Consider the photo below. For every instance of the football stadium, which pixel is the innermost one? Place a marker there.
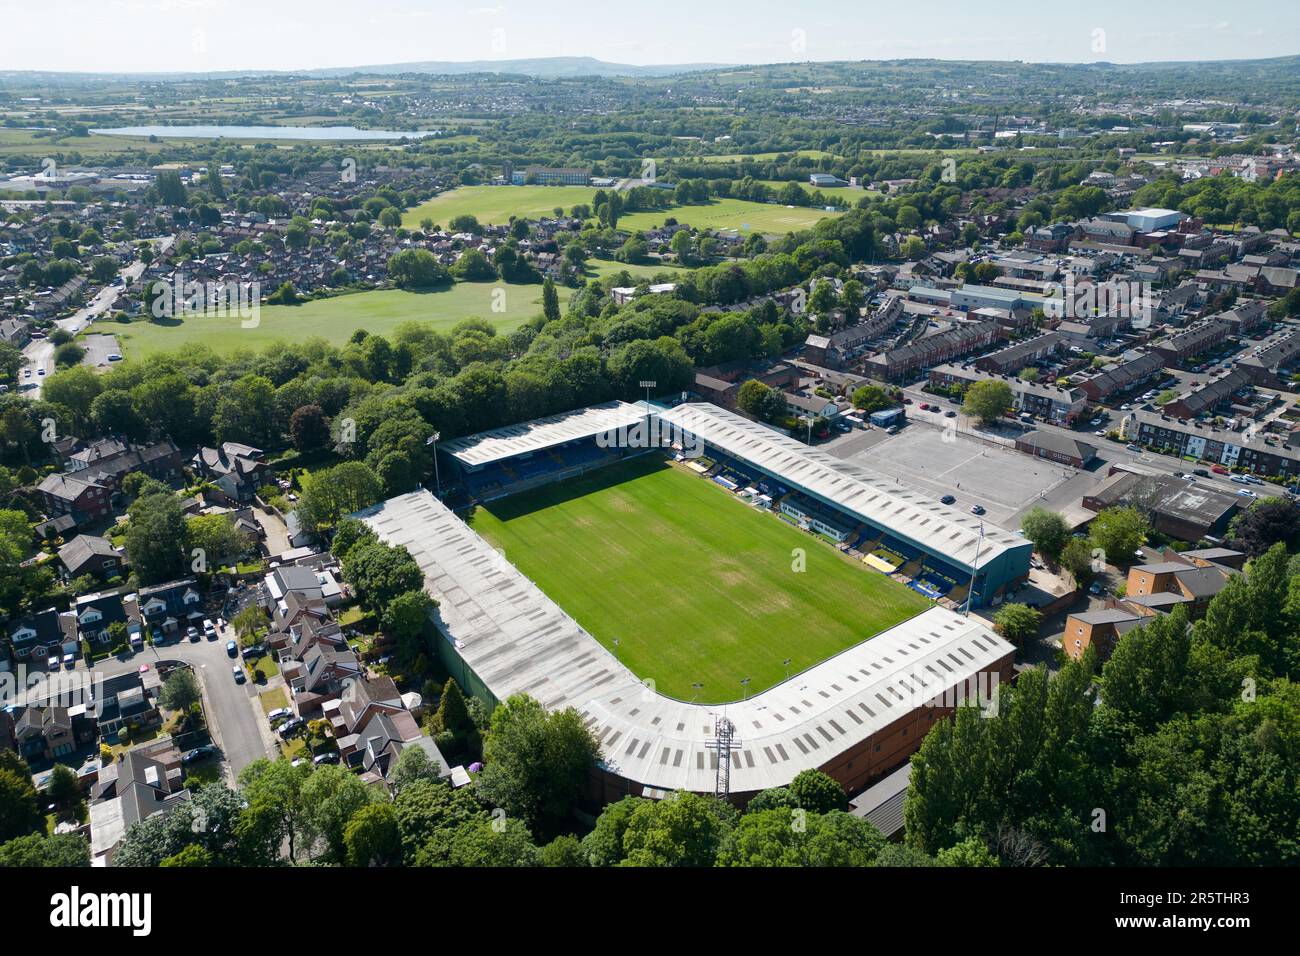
(697, 584)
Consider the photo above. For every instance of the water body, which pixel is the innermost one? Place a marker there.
(321, 133)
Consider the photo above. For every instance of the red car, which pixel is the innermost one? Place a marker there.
(1219, 470)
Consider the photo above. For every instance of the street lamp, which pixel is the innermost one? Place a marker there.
(433, 440)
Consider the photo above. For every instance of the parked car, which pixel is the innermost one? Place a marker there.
(977, 509)
(950, 414)
(1240, 479)
(280, 713)
(1247, 493)
(69, 661)
(1219, 470)
(1132, 446)
(199, 753)
(1095, 588)
(1201, 473)
(329, 756)
(53, 662)
(947, 500)
(240, 676)
(232, 648)
(290, 727)
(192, 633)
(209, 629)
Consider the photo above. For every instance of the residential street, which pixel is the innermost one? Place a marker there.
(39, 353)
(234, 714)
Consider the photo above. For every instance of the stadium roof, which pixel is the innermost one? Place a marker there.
(944, 531)
(500, 444)
(517, 640)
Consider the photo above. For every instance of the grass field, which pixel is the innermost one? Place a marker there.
(734, 215)
(695, 585)
(336, 319)
(496, 204)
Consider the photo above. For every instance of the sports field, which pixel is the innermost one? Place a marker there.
(695, 585)
(731, 215)
(496, 204)
(337, 318)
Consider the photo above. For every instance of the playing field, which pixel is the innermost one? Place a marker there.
(337, 318)
(496, 204)
(731, 215)
(695, 585)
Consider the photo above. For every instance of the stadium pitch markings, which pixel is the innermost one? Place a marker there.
(695, 585)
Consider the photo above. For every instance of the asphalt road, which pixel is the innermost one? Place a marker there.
(39, 353)
(234, 712)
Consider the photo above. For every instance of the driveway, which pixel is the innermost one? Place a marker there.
(277, 535)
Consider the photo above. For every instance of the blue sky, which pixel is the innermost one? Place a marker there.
(170, 35)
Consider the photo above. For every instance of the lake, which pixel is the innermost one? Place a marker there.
(322, 133)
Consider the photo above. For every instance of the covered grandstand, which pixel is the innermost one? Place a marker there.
(856, 716)
(507, 460)
(937, 546)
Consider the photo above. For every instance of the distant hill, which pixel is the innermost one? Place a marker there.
(546, 67)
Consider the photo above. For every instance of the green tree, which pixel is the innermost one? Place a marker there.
(871, 398)
(38, 850)
(331, 796)
(538, 763)
(686, 829)
(1048, 530)
(987, 400)
(335, 492)
(1018, 623)
(550, 301)
(1119, 532)
(156, 536)
(180, 691)
(371, 837)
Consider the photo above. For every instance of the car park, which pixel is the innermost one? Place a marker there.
(238, 671)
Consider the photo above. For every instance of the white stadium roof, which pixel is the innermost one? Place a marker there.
(944, 531)
(500, 444)
(517, 640)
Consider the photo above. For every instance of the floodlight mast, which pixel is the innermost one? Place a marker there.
(433, 440)
(724, 741)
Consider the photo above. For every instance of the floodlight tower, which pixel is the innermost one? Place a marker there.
(724, 740)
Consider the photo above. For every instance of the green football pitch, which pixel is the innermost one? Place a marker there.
(694, 585)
